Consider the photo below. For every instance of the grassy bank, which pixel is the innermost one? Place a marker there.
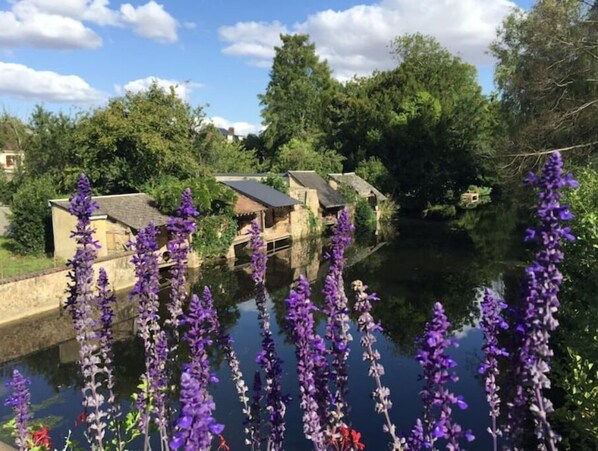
(12, 264)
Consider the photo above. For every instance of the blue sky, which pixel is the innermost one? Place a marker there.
(74, 54)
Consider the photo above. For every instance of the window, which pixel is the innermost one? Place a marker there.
(10, 161)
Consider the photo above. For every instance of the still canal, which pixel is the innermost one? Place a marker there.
(425, 262)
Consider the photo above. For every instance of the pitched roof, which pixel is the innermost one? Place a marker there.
(261, 193)
(245, 205)
(134, 210)
(362, 187)
(329, 198)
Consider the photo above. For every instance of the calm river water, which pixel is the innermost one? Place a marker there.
(427, 261)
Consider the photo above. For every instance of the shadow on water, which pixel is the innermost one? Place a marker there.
(427, 261)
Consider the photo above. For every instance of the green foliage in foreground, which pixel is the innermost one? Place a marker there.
(214, 235)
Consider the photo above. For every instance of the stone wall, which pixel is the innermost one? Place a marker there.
(37, 293)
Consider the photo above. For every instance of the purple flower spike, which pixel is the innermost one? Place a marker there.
(19, 400)
(145, 292)
(438, 372)
(336, 310)
(268, 358)
(542, 285)
(491, 323)
(196, 424)
(300, 323)
(180, 229)
(106, 299)
(80, 305)
(367, 326)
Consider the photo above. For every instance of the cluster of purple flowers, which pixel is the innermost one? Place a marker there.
(337, 312)
(438, 400)
(267, 358)
(537, 317)
(19, 400)
(196, 422)
(325, 410)
(491, 323)
(180, 228)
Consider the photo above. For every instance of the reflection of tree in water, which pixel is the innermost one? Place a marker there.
(435, 261)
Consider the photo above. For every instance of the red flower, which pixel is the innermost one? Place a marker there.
(349, 440)
(82, 418)
(41, 437)
(223, 446)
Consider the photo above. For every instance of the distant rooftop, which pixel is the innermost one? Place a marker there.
(362, 187)
(134, 210)
(329, 198)
(261, 193)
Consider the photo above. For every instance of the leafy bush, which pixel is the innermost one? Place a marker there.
(209, 196)
(214, 235)
(31, 217)
(365, 217)
(375, 173)
(277, 182)
(302, 155)
(348, 192)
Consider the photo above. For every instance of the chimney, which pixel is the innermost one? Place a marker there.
(231, 134)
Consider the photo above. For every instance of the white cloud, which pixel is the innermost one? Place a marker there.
(62, 24)
(253, 39)
(150, 21)
(241, 128)
(181, 88)
(22, 81)
(356, 41)
(25, 25)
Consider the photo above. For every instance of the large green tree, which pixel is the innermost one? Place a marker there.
(546, 75)
(136, 139)
(299, 87)
(50, 150)
(426, 121)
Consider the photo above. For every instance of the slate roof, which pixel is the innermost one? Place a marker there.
(362, 187)
(134, 210)
(329, 198)
(261, 193)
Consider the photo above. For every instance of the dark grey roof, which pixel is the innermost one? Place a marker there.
(329, 198)
(134, 210)
(362, 187)
(261, 193)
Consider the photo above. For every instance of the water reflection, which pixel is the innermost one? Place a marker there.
(427, 262)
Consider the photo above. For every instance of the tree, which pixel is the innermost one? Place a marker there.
(301, 155)
(426, 121)
(546, 75)
(299, 85)
(221, 156)
(50, 150)
(136, 139)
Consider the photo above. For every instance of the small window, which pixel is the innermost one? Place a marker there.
(10, 161)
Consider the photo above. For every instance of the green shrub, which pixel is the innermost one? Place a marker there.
(348, 192)
(31, 217)
(365, 217)
(214, 235)
(277, 182)
(209, 196)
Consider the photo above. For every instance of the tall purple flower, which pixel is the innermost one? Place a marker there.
(106, 299)
(196, 424)
(152, 400)
(336, 310)
(439, 371)
(367, 326)
(19, 400)
(180, 228)
(268, 358)
(300, 323)
(80, 305)
(542, 285)
(491, 323)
